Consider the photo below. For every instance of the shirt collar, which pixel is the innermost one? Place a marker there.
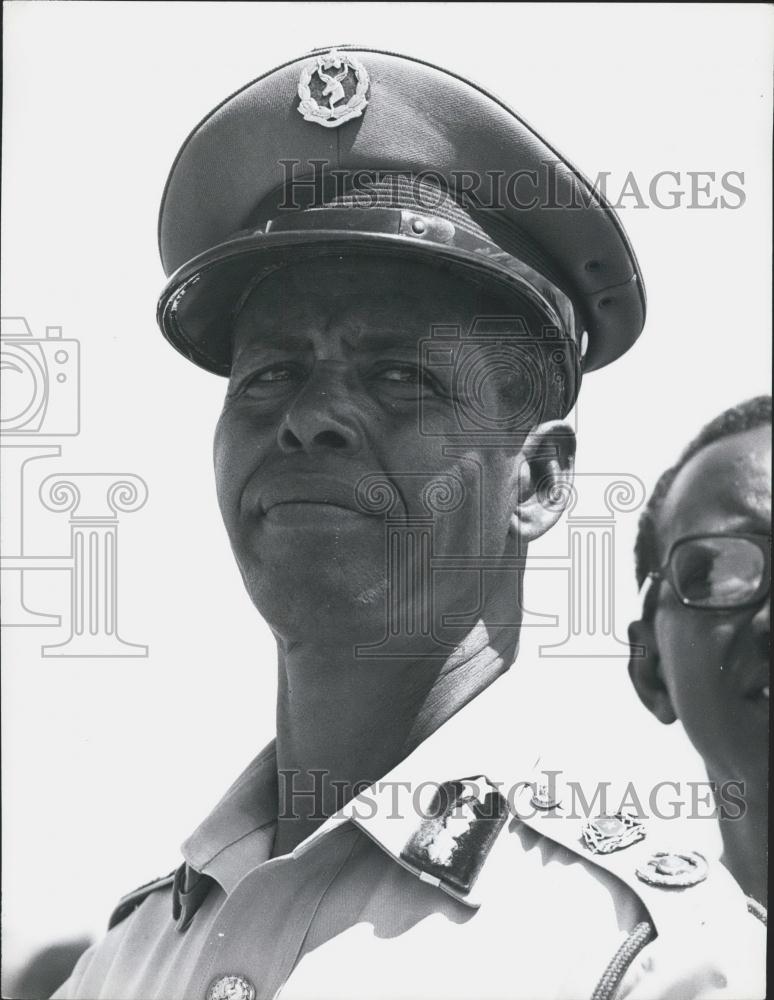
(487, 738)
(237, 835)
(481, 749)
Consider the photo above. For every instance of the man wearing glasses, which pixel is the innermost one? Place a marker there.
(703, 549)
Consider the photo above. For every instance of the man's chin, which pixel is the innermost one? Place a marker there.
(339, 625)
(305, 587)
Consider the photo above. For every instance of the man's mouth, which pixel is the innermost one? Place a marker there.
(311, 490)
(319, 506)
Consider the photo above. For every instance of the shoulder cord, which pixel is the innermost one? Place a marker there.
(642, 934)
(757, 910)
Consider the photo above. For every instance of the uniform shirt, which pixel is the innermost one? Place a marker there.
(345, 915)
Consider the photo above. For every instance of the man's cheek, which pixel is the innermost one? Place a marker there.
(232, 463)
(691, 659)
(221, 441)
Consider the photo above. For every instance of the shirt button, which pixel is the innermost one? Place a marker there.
(231, 988)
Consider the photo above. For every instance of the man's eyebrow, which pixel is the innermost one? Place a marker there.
(270, 342)
(360, 342)
(394, 340)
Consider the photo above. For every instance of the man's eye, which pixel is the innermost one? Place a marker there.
(274, 376)
(266, 382)
(405, 374)
(277, 373)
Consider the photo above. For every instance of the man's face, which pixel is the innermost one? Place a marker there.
(715, 663)
(329, 430)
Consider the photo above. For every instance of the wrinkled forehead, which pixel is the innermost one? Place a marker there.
(726, 486)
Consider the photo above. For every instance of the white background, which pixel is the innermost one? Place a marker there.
(108, 764)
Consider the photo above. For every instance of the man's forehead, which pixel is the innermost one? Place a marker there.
(727, 483)
(378, 274)
(371, 296)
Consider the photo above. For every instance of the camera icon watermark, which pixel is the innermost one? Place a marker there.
(435, 595)
(501, 376)
(41, 381)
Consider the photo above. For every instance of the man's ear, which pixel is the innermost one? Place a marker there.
(544, 474)
(645, 671)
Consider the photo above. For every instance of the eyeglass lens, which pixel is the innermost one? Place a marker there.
(716, 572)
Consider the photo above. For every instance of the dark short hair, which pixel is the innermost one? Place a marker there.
(744, 417)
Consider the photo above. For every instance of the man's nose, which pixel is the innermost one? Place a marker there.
(321, 417)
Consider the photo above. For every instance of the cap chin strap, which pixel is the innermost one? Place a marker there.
(421, 226)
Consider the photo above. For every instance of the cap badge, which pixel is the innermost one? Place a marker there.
(606, 834)
(333, 89)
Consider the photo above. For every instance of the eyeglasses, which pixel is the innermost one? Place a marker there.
(718, 572)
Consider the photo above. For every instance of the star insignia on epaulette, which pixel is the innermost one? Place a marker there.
(606, 834)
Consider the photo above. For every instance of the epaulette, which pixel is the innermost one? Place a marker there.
(129, 903)
(677, 885)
